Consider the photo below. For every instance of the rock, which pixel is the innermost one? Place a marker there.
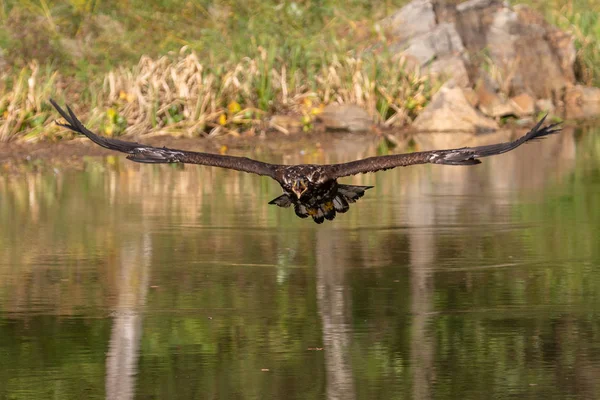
(449, 110)
(349, 117)
(490, 102)
(473, 5)
(472, 20)
(519, 55)
(498, 110)
(523, 104)
(544, 105)
(486, 94)
(415, 18)
(561, 43)
(526, 59)
(582, 102)
(441, 41)
(417, 36)
(450, 67)
(518, 41)
(471, 97)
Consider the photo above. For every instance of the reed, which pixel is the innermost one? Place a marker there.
(180, 94)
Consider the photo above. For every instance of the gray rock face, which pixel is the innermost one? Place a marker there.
(473, 20)
(442, 41)
(418, 36)
(518, 45)
(450, 67)
(528, 63)
(415, 18)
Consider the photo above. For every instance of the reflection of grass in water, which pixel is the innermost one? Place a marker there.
(80, 226)
(574, 212)
(80, 219)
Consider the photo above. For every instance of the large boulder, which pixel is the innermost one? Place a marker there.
(529, 61)
(450, 67)
(450, 110)
(518, 45)
(529, 53)
(417, 36)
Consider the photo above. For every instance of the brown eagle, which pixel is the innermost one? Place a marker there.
(313, 190)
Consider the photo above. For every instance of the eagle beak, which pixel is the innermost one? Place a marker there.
(299, 188)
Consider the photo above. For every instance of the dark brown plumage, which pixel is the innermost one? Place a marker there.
(313, 190)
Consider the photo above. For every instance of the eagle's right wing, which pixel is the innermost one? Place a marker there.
(149, 154)
(462, 156)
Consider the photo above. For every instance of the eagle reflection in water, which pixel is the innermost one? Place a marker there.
(313, 190)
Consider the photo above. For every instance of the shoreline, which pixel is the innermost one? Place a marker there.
(322, 147)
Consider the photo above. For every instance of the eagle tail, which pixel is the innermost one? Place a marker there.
(340, 203)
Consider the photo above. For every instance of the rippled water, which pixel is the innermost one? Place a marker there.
(152, 282)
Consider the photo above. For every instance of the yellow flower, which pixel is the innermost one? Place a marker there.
(123, 95)
(234, 107)
(317, 110)
(223, 119)
(111, 113)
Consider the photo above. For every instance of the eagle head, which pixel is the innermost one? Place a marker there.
(299, 186)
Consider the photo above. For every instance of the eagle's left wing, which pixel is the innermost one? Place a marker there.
(153, 155)
(462, 156)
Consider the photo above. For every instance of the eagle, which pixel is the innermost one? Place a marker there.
(313, 190)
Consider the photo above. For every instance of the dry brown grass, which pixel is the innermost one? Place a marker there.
(23, 107)
(182, 95)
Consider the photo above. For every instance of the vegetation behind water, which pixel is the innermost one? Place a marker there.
(217, 67)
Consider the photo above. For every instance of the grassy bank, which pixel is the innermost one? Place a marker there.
(209, 68)
(205, 67)
(181, 94)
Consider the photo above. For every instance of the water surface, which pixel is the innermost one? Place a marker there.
(156, 282)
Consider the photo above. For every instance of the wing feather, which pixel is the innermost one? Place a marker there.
(462, 156)
(149, 154)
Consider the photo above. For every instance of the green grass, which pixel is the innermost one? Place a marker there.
(253, 59)
(262, 55)
(91, 36)
(223, 72)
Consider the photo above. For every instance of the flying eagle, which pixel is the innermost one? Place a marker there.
(312, 189)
